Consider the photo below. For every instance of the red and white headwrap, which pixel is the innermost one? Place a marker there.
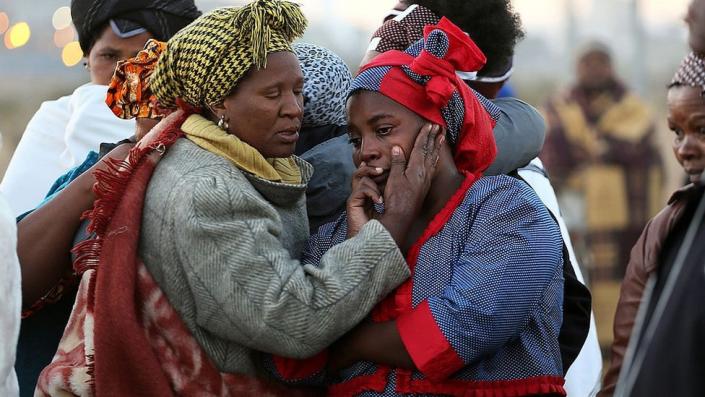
(424, 80)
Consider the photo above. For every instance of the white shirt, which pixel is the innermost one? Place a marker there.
(10, 301)
(584, 376)
(57, 138)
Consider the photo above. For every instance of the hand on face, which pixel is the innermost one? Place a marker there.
(364, 193)
(409, 182)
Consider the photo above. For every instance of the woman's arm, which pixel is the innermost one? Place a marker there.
(45, 236)
(246, 286)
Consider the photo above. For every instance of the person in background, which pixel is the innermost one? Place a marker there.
(10, 299)
(603, 162)
(37, 174)
(660, 316)
(63, 131)
(695, 19)
(497, 28)
(323, 139)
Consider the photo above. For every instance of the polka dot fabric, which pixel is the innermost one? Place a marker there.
(691, 72)
(398, 33)
(492, 277)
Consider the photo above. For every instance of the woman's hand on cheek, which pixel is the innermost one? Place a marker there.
(409, 183)
(362, 198)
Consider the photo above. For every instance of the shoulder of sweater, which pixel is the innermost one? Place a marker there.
(187, 169)
(187, 161)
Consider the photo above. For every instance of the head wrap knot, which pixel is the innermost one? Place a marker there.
(424, 80)
(205, 60)
(440, 64)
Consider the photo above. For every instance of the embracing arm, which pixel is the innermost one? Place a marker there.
(249, 290)
(519, 135)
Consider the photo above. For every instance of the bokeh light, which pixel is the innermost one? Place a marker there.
(4, 22)
(18, 35)
(72, 54)
(64, 36)
(62, 18)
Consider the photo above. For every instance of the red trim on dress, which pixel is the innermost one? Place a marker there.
(430, 350)
(293, 370)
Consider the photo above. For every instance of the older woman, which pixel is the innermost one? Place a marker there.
(193, 270)
(482, 311)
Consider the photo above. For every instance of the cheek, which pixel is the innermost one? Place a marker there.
(102, 71)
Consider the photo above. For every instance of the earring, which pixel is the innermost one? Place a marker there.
(223, 124)
(85, 65)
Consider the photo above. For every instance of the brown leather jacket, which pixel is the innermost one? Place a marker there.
(642, 263)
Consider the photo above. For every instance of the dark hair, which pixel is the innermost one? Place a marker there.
(94, 35)
(492, 24)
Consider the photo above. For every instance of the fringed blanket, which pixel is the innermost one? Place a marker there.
(124, 338)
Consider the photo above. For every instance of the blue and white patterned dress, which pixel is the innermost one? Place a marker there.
(482, 312)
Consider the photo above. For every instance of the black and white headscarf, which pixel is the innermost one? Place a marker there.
(327, 82)
(691, 72)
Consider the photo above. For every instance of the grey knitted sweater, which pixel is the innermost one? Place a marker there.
(223, 245)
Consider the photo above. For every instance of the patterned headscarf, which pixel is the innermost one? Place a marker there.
(423, 79)
(407, 27)
(205, 60)
(327, 82)
(403, 30)
(161, 18)
(129, 93)
(691, 72)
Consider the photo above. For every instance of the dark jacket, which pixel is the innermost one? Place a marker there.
(643, 262)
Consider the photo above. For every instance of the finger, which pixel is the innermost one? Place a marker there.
(364, 196)
(398, 165)
(431, 139)
(417, 155)
(372, 194)
(365, 170)
(370, 185)
(438, 141)
(432, 143)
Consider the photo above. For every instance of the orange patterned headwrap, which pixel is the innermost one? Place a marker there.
(129, 93)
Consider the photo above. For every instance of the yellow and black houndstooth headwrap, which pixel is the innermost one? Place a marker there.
(205, 60)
